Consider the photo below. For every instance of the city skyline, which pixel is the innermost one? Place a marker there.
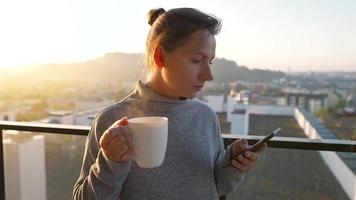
(275, 35)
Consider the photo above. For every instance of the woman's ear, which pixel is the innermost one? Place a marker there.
(158, 57)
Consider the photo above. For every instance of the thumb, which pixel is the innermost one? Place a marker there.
(240, 146)
(123, 121)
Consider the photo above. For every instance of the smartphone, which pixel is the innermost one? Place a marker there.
(263, 140)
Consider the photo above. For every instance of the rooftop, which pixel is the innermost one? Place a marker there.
(277, 176)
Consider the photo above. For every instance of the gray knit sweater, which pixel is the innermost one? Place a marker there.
(193, 164)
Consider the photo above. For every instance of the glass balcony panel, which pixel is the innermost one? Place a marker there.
(299, 174)
(46, 166)
(41, 166)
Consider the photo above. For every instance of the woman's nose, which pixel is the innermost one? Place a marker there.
(206, 74)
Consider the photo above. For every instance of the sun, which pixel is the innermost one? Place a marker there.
(33, 34)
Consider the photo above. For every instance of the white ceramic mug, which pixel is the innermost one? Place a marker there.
(149, 139)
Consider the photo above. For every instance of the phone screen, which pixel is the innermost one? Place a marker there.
(263, 140)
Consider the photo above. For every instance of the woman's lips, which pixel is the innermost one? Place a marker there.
(198, 87)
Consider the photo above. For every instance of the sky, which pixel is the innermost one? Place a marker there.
(303, 35)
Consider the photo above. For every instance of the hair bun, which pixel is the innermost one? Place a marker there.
(153, 14)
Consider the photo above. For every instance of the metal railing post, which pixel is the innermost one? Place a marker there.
(2, 170)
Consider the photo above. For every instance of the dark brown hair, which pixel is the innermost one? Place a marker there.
(171, 29)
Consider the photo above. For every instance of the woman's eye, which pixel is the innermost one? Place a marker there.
(196, 60)
(211, 61)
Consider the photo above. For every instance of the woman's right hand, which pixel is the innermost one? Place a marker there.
(116, 142)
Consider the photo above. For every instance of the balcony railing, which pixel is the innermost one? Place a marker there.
(277, 142)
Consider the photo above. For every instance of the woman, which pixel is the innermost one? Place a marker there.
(180, 49)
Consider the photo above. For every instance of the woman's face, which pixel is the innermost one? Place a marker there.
(187, 68)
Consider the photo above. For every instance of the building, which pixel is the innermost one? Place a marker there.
(229, 106)
(84, 118)
(292, 174)
(350, 107)
(341, 165)
(215, 102)
(24, 158)
(240, 121)
(297, 122)
(243, 96)
(312, 101)
(62, 117)
(10, 115)
(335, 96)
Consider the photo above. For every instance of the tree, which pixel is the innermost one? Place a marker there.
(323, 114)
(354, 90)
(37, 111)
(40, 106)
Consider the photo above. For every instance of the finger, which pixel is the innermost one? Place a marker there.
(124, 121)
(127, 135)
(118, 140)
(115, 152)
(109, 152)
(121, 122)
(124, 153)
(240, 146)
(128, 155)
(261, 148)
(120, 150)
(243, 142)
(109, 133)
(245, 161)
(253, 156)
(247, 165)
(107, 137)
(239, 166)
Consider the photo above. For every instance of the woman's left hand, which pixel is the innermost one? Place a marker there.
(242, 159)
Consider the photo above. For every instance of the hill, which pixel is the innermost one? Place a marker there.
(130, 67)
(227, 70)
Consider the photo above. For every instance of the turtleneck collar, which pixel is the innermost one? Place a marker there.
(146, 93)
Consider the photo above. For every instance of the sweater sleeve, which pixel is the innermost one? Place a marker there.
(100, 178)
(228, 178)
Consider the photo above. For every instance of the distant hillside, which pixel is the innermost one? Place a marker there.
(227, 70)
(130, 67)
(110, 67)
